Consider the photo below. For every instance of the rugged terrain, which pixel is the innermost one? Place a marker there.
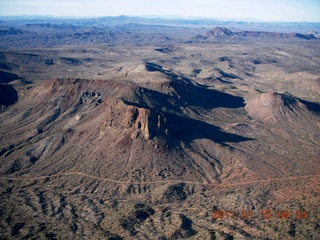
(48, 32)
(146, 142)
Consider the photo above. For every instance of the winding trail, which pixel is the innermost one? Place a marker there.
(160, 181)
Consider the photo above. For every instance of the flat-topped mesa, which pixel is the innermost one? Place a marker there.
(148, 122)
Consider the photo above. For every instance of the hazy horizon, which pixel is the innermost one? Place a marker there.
(258, 10)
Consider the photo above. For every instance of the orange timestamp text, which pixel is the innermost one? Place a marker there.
(263, 214)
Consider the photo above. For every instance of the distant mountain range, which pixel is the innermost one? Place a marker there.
(222, 34)
(124, 30)
(120, 20)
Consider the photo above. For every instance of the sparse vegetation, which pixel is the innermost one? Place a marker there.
(120, 141)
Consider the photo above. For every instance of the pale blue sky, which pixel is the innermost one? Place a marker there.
(269, 10)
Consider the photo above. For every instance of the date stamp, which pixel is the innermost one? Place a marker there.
(263, 214)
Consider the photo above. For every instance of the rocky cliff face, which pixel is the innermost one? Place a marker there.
(146, 122)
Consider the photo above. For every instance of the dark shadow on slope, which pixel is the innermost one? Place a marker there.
(6, 77)
(8, 95)
(70, 61)
(175, 128)
(183, 95)
(228, 75)
(188, 93)
(314, 107)
(200, 96)
(163, 50)
(223, 81)
(187, 129)
(48, 120)
(185, 231)
(4, 66)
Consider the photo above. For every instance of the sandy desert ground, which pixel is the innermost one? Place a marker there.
(191, 139)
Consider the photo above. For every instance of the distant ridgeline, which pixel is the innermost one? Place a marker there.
(122, 30)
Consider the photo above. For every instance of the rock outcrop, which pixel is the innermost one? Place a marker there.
(147, 122)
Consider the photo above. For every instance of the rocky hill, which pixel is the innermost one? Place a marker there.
(222, 34)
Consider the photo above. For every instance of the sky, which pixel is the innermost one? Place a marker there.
(267, 10)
